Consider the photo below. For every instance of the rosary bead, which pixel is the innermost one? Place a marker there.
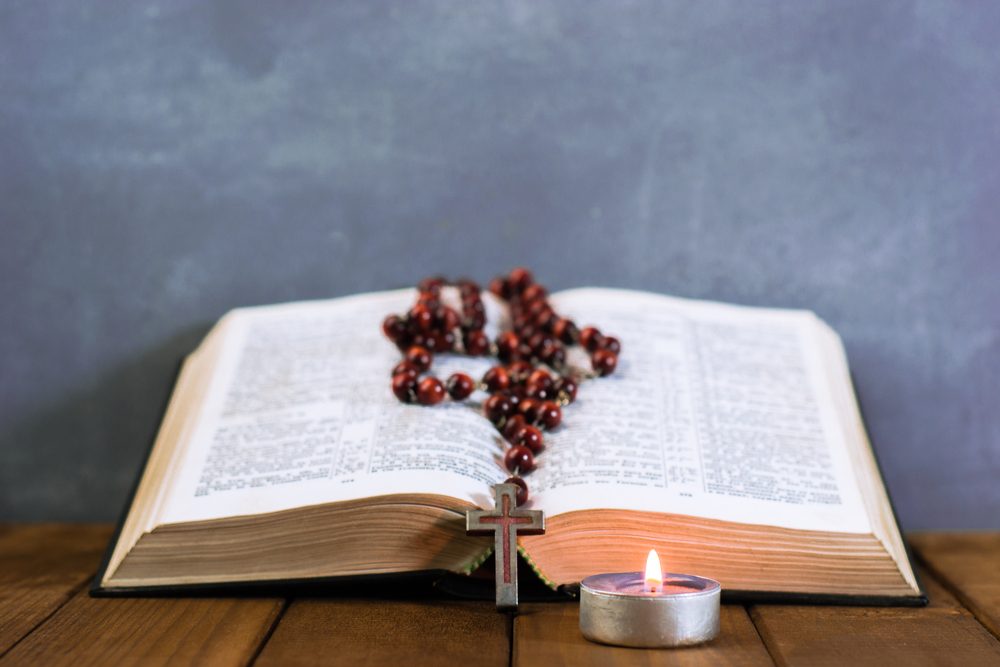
(460, 386)
(404, 386)
(566, 386)
(545, 319)
(611, 344)
(430, 391)
(590, 338)
(530, 437)
(423, 316)
(476, 342)
(520, 278)
(393, 327)
(521, 495)
(429, 299)
(539, 378)
(420, 357)
(604, 362)
(497, 408)
(507, 345)
(447, 318)
(513, 424)
(496, 379)
(405, 367)
(432, 284)
(533, 293)
(529, 408)
(554, 355)
(565, 330)
(445, 342)
(519, 371)
(520, 459)
(501, 287)
(550, 415)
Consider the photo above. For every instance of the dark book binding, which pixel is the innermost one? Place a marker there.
(431, 583)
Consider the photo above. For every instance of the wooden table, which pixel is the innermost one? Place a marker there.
(47, 618)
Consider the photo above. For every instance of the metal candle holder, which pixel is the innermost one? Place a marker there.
(618, 609)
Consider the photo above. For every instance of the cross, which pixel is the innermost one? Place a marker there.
(505, 522)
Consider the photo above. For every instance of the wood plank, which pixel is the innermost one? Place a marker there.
(149, 631)
(389, 632)
(549, 634)
(969, 565)
(943, 633)
(41, 567)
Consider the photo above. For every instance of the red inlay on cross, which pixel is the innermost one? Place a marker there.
(506, 523)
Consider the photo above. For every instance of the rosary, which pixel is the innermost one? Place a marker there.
(528, 388)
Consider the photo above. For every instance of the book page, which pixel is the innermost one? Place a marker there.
(300, 412)
(715, 411)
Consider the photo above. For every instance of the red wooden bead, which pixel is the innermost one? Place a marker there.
(405, 367)
(529, 408)
(604, 362)
(530, 437)
(445, 342)
(496, 379)
(533, 293)
(519, 371)
(521, 495)
(590, 338)
(565, 330)
(404, 386)
(460, 386)
(550, 414)
(519, 459)
(539, 378)
(423, 316)
(566, 387)
(476, 342)
(447, 318)
(420, 357)
(501, 287)
(475, 320)
(539, 393)
(554, 355)
(432, 284)
(611, 344)
(496, 408)
(507, 345)
(430, 391)
(393, 327)
(520, 278)
(513, 424)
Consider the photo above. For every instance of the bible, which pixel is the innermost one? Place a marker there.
(729, 439)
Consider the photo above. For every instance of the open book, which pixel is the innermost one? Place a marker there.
(729, 440)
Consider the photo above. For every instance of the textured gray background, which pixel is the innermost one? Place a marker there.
(161, 163)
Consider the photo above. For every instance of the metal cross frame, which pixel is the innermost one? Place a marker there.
(505, 522)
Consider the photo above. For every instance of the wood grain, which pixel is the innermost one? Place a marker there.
(148, 631)
(549, 634)
(41, 567)
(943, 633)
(389, 632)
(969, 565)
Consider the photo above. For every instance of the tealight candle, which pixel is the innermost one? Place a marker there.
(651, 609)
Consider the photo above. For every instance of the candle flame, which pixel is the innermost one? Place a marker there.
(654, 573)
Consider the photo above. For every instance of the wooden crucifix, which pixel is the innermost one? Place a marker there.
(505, 523)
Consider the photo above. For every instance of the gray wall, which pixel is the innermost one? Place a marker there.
(161, 163)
